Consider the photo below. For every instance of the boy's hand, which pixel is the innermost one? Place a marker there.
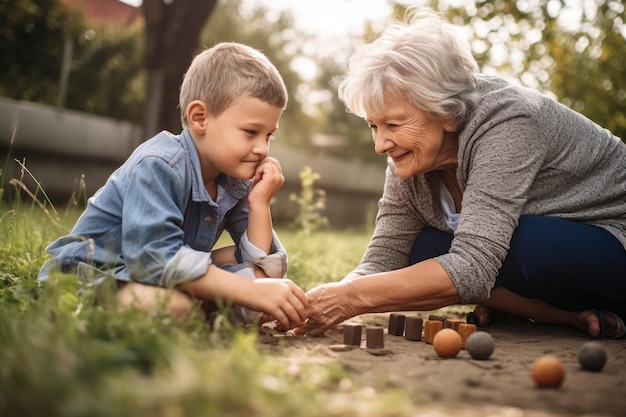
(280, 299)
(267, 181)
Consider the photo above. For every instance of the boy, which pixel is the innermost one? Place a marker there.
(153, 225)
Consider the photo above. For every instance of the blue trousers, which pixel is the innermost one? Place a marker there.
(570, 265)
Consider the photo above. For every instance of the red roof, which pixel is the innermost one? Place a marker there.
(108, 11)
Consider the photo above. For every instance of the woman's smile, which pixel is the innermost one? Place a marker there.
(399, 157)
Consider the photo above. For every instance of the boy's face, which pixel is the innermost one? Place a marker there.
(237, 140)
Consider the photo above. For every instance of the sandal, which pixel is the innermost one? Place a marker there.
(604, 332)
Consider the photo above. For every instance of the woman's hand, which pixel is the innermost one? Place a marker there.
(280, 299)
(329, 305)
(267, 181)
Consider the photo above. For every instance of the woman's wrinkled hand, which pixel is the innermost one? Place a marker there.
(329, 305)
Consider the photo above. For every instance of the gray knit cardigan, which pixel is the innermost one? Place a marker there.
(520, 152)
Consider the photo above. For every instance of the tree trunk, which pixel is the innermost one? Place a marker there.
(154, 98)
(172, 33)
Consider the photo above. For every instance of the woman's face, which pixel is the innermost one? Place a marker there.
(415, 142)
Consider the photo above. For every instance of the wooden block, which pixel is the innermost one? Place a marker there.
(453, 324)
(396, 324)
(465, 330)
(352, 334)
(442, 319)
(431, 327)
(374, 337)
(413, 327)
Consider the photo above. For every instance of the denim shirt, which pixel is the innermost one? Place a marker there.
(154, 222)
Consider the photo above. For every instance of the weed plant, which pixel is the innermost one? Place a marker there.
(311, 203)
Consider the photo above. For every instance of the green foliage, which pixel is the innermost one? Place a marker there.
(322, 256)
(66, 354)
(542, 44)
(32, 34)
(576, 58)
(574, 51)
(311, 203)
(107, 76)
(592, 79)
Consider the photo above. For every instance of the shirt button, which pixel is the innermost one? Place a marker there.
(208, 220)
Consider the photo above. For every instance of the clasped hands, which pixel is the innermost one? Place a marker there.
(328, 305)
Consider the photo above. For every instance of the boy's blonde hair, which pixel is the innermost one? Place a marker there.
(221, 74)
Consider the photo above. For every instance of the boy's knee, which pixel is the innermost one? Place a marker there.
(180, 304)
(147, 298)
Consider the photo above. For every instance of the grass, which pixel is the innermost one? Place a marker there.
(62, 354)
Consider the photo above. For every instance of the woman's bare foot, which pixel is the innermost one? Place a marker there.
(587, 321)
(596, 323)
(590, 322)
(485, 316)
(482, 316)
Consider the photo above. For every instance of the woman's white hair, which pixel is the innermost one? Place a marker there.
(423, 59)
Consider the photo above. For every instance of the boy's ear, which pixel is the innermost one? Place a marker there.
(197, 116)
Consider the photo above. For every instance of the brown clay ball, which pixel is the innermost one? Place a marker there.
(548, 372)
(447, 343)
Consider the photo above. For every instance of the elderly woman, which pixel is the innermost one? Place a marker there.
(495, 195)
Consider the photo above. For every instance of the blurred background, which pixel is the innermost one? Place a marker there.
(83, 82)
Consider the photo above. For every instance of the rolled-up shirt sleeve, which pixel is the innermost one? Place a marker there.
(188, 264)
(273, 264)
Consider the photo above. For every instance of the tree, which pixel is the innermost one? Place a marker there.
(171, 39)
(597, 66)
(105, 68)
(544, 44)
(574, 52)
(107, 76)
(107, 72)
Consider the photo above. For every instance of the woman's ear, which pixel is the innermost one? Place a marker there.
(448, 126)
(197, 116)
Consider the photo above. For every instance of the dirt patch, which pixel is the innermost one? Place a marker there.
(499, 386)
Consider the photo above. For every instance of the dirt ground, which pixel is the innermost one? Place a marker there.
(500, 386)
